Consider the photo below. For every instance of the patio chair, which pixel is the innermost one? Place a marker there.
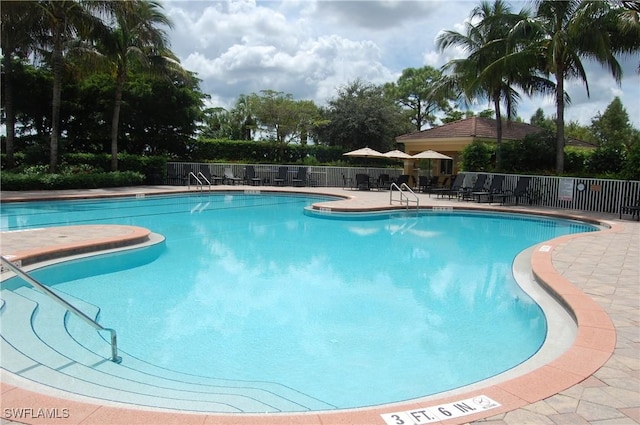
(281, 178)
(454, 190)
(521, 191)
(173, 175)
(404, 178)
(466, 193)
(632, 208)
(362, 182)
(250, 176)
(301, 178)
(383, 182)
(347, 182)
(424, 183)
(230, 177)
(494, 189)
(211, 178)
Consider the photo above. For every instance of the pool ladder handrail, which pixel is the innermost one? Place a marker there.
(404, 198)
(198, 177)
(65, 304)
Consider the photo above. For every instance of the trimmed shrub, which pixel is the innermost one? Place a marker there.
(80, 180)
(477, 157)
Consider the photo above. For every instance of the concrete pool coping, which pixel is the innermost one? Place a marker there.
(594, 344)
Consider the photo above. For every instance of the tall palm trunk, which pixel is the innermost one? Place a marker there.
(56, 100)
(10, 112)
(559, 122)
(496, 103)
(115, 123)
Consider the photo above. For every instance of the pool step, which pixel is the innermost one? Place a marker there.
(65, 353)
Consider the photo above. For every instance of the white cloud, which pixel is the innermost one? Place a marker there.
(310, 48)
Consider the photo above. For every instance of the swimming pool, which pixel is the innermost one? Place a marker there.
(352, 311)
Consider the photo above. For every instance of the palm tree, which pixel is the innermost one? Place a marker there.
(136, 41)
(17, 28)
(487, 71)
(63, 21)
(563, 33)
(627, 34)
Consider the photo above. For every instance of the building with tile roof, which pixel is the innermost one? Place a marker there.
(452, 137)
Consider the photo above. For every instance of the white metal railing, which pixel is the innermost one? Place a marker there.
(65, 304)
(203, 177)
(200, 184)
(404, 191)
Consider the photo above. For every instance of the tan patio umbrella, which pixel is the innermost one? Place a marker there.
(429, 154)
(365, 153)
(396, 154)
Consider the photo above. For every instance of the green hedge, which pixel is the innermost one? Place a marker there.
(213, 150)
(44, 181)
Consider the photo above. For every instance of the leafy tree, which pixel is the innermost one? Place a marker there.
(456, 115)
(535, 153)
(477, 156)
(416, 91)
(284, 119)
(243, 119)
(166, 127)
(613, 127)
(17, 29)
(31, 83)
(361, 115)
(540, 120)
(578, 131)
(631, 168)
(216, 124)
(607, 160)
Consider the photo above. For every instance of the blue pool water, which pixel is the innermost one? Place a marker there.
(352, 311)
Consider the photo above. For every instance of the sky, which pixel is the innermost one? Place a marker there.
(312, 48)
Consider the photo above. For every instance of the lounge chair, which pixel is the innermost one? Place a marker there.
(424, 183)
(230, 178)
(633, 209)
(281, 178)
(301, 178)
(521, 191)
(347, 182)
(383, 182)
(494, 189)
(362, 182)
(466, 193)
(211, 178)
(454, 190)
(404, 178)
(174, 177)
(250, 176)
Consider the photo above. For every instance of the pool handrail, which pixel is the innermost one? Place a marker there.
(200, 184)
(64, 303)
(403, 195)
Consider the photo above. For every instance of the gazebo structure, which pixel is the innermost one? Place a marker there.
(451, 138)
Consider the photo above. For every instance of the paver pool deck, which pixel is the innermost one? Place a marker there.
(597, 275)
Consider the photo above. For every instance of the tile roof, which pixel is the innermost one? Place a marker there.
(477, 127)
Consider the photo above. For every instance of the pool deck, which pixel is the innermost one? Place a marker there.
(597, 275)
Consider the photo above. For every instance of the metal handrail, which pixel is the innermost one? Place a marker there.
(192, 174)
(403, 195)
(64, 303)
(205, 179)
